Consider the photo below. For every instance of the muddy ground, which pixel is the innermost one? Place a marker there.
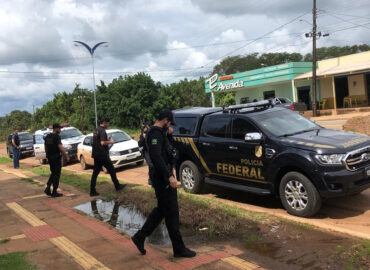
(360, 124)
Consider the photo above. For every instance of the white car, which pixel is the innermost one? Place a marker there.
(71, 137)
(124, 151)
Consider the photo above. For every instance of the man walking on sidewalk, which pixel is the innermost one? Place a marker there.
(164, 183)
(100, 153)
(16, 149)
(54, 149)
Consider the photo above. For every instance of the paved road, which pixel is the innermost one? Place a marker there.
(347, 215)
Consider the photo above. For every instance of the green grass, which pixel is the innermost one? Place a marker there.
(81, 181)
(15, 261)
(31, 181)
(5, 160)
(4, 241)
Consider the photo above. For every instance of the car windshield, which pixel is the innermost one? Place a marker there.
(70, 133)
(284, 123)
(119, 136)
(25, 137)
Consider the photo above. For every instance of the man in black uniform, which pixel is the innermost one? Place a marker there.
(144, 151)
(164, 183)
(16, 149)
(53, 149)
(100, 153)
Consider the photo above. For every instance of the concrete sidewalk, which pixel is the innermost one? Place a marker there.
(65, 239)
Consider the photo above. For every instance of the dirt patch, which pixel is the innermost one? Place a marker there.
(360, 124)
(257, 235)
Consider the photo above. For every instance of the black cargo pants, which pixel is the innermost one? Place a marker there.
(55, 164)
(99, 162)
(168, 209)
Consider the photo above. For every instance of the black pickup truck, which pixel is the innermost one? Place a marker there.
(266, 150)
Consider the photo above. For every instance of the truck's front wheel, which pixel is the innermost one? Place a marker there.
(191, 179)
(298, 195)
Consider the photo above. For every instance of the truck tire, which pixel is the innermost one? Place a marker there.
(84, 166)
(42, 161)
(8, 152)
(139, 163)
(191, 179)
(64, 162)
(298, 195)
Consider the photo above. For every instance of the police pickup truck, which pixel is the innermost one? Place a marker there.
(266, 150)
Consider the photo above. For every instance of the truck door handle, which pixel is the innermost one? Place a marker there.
(233, 147)
(206, 144)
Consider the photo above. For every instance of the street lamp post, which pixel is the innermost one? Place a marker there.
(91, 51)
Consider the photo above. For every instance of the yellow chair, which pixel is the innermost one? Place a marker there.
(348, 101)
(322, 104)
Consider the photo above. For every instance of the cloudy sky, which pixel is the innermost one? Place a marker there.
(168, 39)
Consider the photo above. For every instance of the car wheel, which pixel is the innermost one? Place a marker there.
(139, 163)
(191, 179)
(84, 166)
(298, 195)
(42, 161)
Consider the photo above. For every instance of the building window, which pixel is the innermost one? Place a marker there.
(269, 94)
(244, 100)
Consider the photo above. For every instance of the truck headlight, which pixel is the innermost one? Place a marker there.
(335, 159)
(114, 154)
(67, 146)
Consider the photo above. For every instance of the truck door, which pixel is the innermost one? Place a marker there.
(212, 146)
(86, 150)
(39, 147)
(246, 159)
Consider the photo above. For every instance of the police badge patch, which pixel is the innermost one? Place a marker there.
(258, 151)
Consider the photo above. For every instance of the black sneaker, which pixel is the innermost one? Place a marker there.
(186, 253)
(139, 244)
(120, 187)
(47, 191)
(94, 193)
(56, 194)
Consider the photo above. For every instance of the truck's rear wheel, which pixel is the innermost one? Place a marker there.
(298, 195)
(191, 179)
(42, 161)
(9, 154)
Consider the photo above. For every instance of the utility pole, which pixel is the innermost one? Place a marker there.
(314, 29)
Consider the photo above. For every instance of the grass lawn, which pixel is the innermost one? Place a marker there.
(5, 160)
(15, 261)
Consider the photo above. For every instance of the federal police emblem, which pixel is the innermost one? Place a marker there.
(258, 151)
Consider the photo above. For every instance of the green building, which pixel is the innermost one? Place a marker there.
(263, 83)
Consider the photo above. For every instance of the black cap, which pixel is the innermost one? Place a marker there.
(56, 125)
(166, 114)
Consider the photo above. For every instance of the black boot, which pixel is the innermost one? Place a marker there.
(56, 194)
(139, 244)
(120, 187)
(94, 193)
(47, 191)
(186, 253)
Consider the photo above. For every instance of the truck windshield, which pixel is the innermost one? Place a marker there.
(119, 137)
(284, 123)
(25, 137)
(70, 133)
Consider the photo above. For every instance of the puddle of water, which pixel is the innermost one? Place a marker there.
(126, 219)
(270, 250)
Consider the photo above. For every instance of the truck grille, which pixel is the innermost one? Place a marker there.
(133, 150)
(357, 158)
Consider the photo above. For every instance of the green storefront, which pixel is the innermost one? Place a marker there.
(263, 83)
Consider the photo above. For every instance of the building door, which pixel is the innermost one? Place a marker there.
(304, 96)
(269, 94)
(341, 90)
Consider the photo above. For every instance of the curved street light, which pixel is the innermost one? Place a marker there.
(91, 51)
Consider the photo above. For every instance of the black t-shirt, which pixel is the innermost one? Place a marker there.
(15, 137)
(99, 150)
(52, 140)
(157, 148)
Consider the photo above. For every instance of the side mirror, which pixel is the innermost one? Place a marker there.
(253, 137)
(84, 133)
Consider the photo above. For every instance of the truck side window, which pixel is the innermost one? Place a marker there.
(218, 126)
(185, 125)
(87, 141)
(241, 126)
(39, 139)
